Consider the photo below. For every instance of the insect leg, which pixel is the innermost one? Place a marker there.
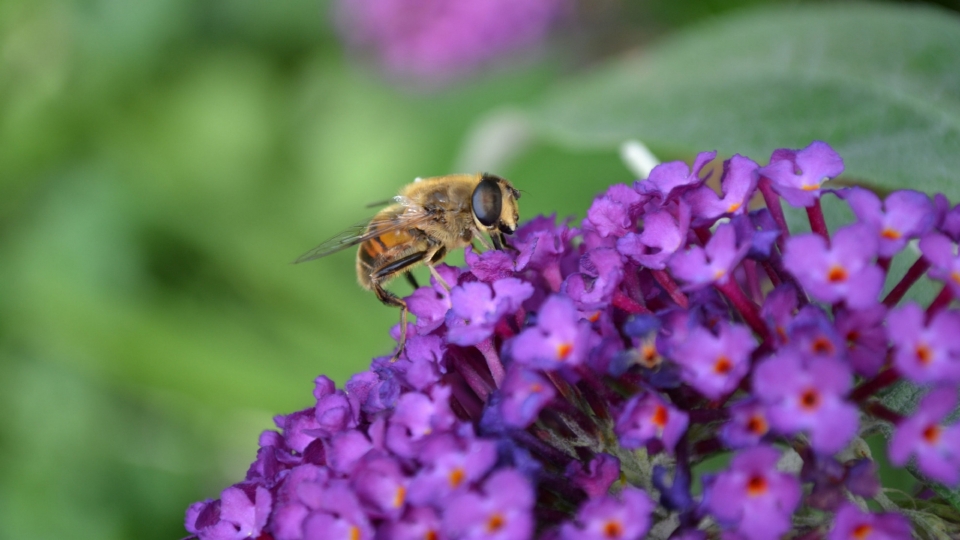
(435, 258)
(497, 240)
(412, 280)
(384, 273)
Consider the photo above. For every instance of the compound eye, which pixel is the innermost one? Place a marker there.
(487, 202)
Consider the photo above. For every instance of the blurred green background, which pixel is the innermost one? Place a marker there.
(161, 163)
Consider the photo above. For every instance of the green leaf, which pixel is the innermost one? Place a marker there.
(880, 83)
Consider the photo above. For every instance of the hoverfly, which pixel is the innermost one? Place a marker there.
(429, 218)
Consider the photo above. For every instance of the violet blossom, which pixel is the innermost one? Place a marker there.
(570, 386)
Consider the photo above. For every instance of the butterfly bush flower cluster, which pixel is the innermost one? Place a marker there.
(441, 40)
(572, 386)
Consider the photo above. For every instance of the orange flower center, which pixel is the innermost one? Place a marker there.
(723, 365)
(931, 434)
(810, 187)
(733, 207)
(456, 476)
(660, 416)
(756, 486)
(613, 529)
(861, 532)
(495, 523)
(354, 533)
(810, 399)
(431, 535)
(837, 274)
(563, 350)
(924, 354)
(399, 497)
(890, 234)
(757, 425)
(822, 345)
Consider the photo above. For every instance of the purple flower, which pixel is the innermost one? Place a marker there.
(241, 512)
(808, 396)
(501, 510)
(647, 418)
(525, 394)
(592, 288)
(842, 271)
(945, 264)
(501, 414)
(936, 447)
(751, 497)
(614, 213)
(607, 518)
(700, 267)
(715, 364)
(747, 426)
(477, 309)
(674, 178)
(443, 39)
(597, 477)
(904, 215)
(865, 337)
(797, 175)
(925, 352)
(663, 234)
(853, 524)
(738, 183)
(559, 338)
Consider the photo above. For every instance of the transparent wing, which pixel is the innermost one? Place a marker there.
(382, 223)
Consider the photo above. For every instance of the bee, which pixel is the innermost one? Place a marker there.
(427, 219)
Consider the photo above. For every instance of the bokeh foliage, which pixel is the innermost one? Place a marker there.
(161, 163)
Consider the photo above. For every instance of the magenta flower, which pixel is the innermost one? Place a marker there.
(571, 385)
(853, 524)
(501, 510)
(936, 447)
(712, 363)
(559, 339)
(699, 267)
(751, 497)
(607, 518)
(647, 418)
(798, 175)
(925, 352)
(738, 183)
(443, 39)
(903, 216)
(841, 272)
(808, 396)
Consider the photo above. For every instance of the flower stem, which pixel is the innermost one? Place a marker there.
(493, 360)
(669, 285)
(817, 223)
(913, 274)
(748, 310)
(772, 200)
(872, 386)
(941, 301)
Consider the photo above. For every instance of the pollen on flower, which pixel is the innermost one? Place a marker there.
(932, 434)
(649, 355)
(564, 350)
(399, 496)
(613, 529)
(734, 207)
(924, 354)
(837, 274)
(955, 277)
(496, 522)
(862, 531)
(891, 234)
(456, 476)
(823, 346)
(354, 532)
(756, 486)
(723, 365)
(810, 399)
(810, 187)
(660, 416)
(757, 425)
